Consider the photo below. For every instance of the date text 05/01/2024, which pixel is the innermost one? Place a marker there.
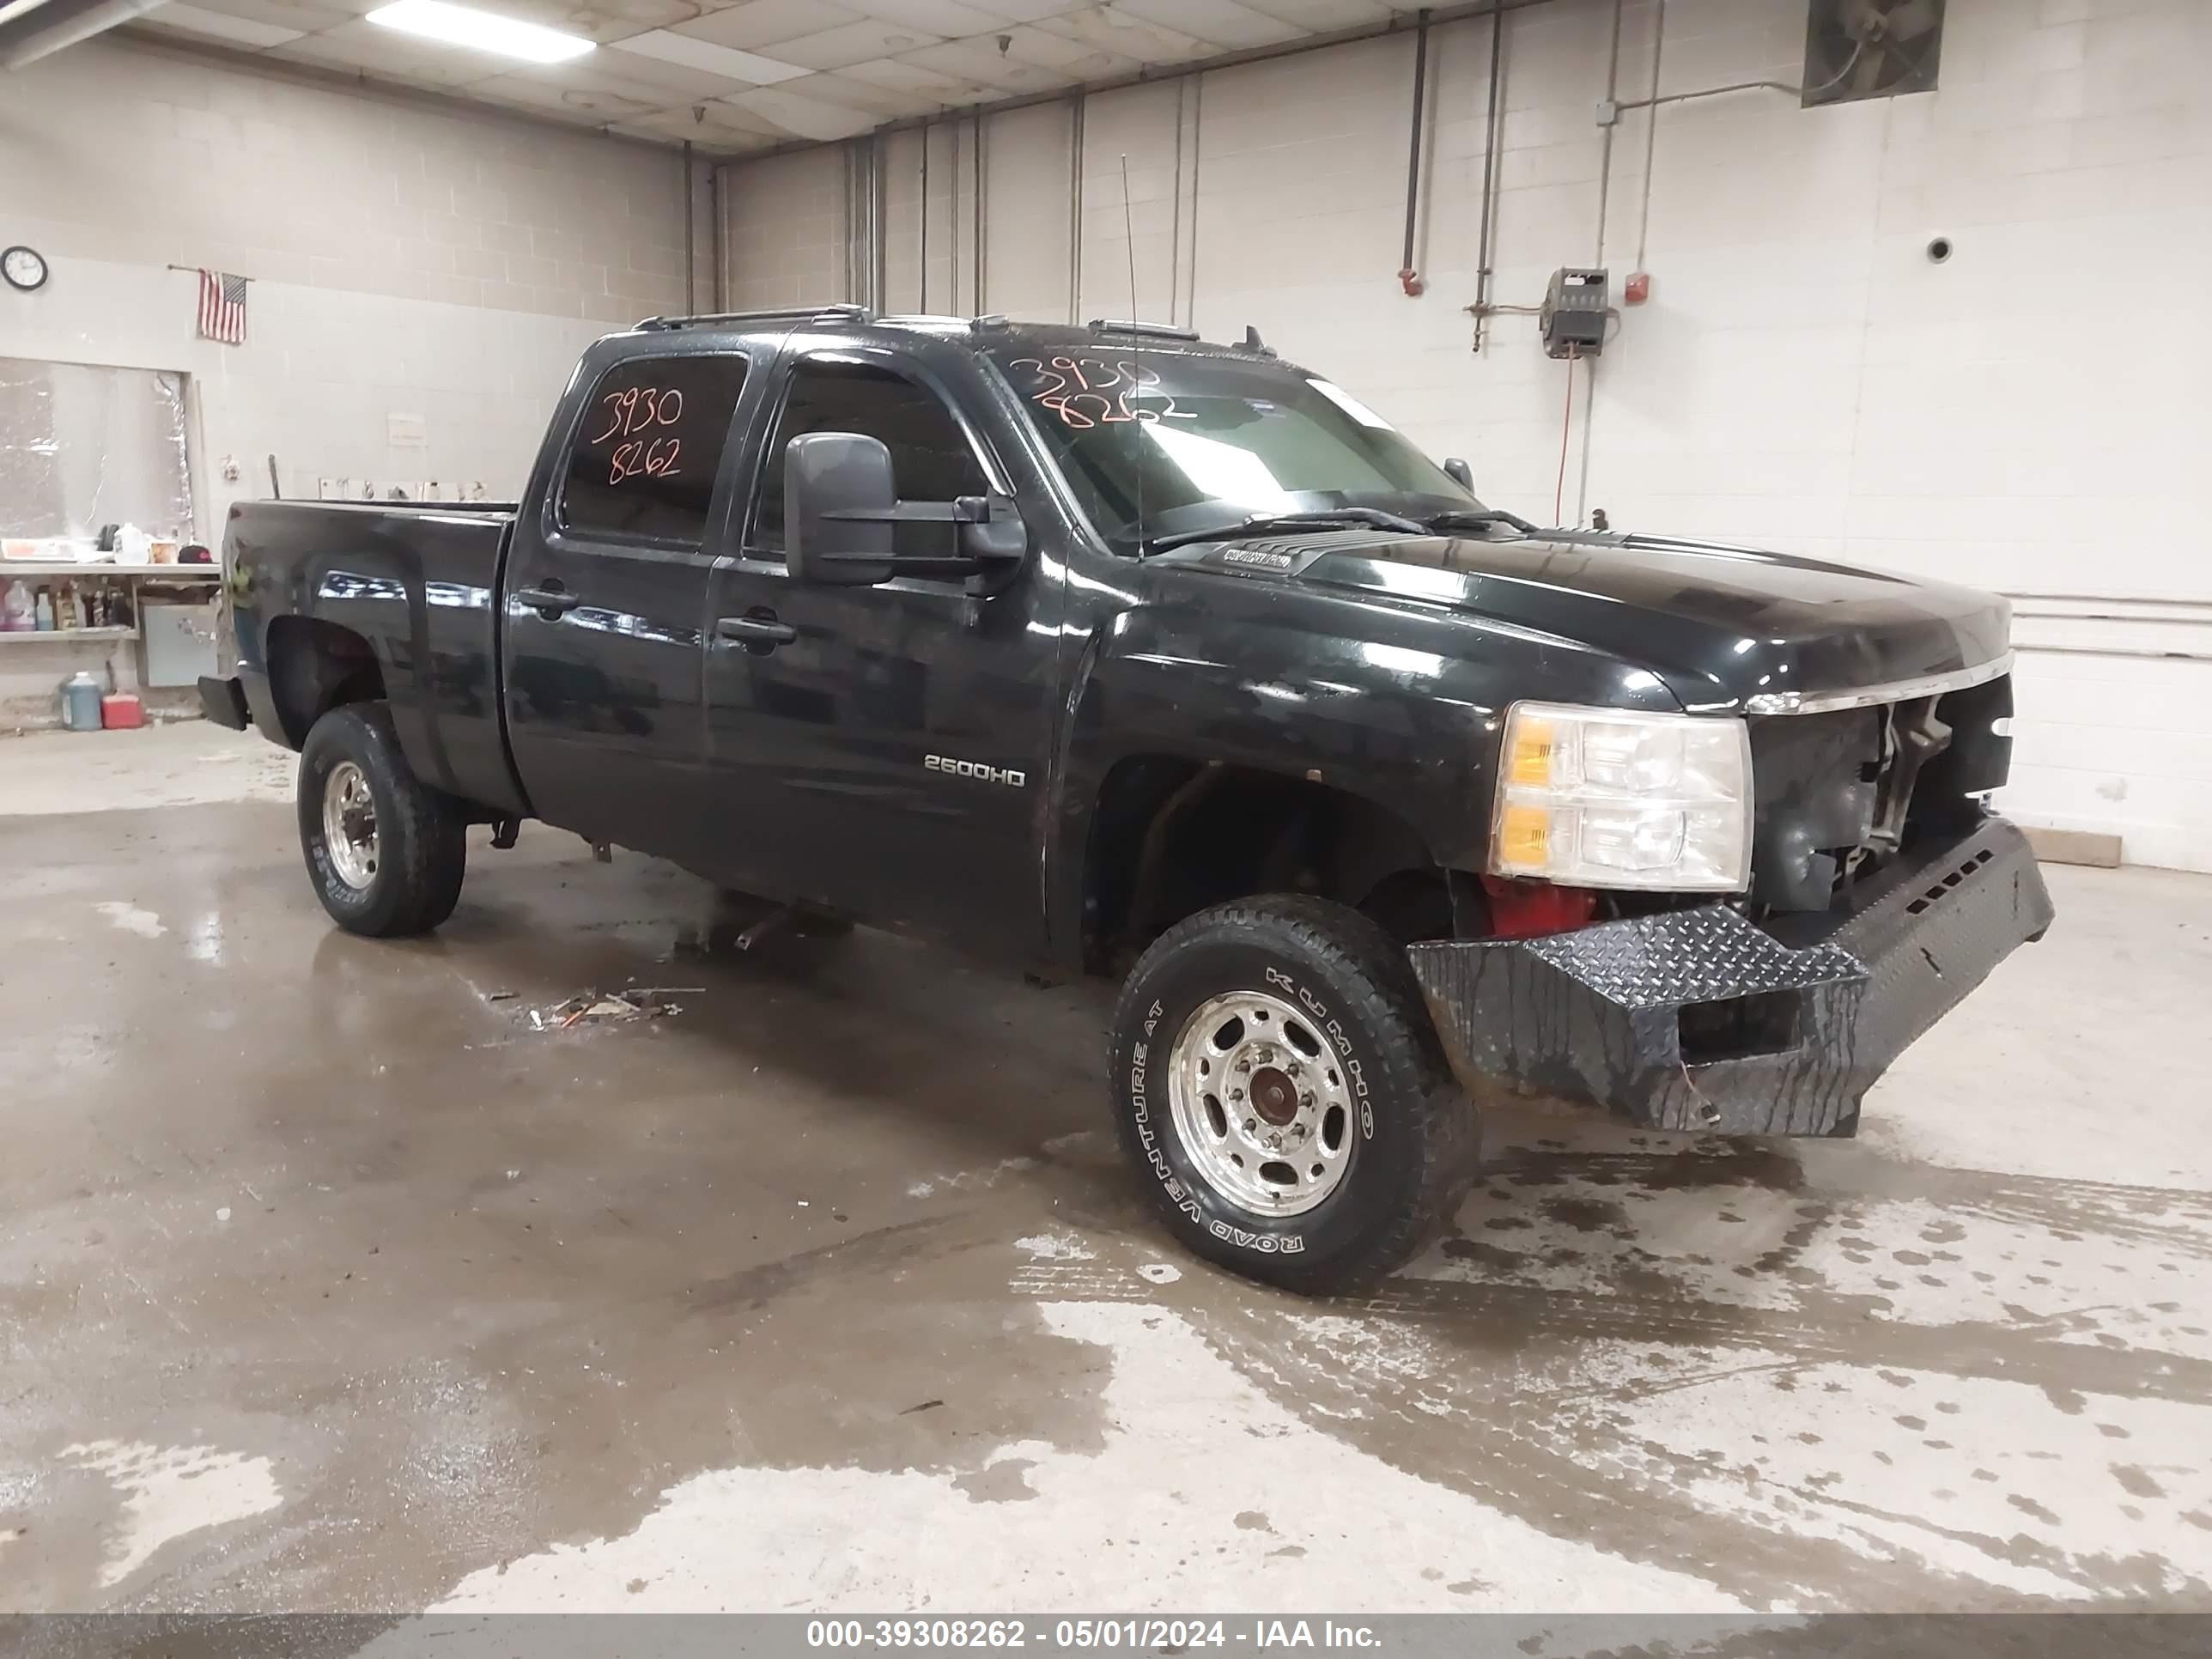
(1262, 1634)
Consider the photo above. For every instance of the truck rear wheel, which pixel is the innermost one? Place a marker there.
(384, 851)
(1279, 1089)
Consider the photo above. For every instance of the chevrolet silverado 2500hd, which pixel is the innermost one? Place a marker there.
(1108, 649)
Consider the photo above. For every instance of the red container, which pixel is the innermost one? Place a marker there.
(121, 711)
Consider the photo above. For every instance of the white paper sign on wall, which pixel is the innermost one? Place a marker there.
(405, 431)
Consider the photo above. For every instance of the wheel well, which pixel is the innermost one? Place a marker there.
(1171, 836)
(315, 665)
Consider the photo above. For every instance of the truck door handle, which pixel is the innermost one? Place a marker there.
(755, 630)
(548, 602)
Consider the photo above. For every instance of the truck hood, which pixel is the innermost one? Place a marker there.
(1718, 625)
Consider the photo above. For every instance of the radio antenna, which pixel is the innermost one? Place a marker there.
(1129, 238)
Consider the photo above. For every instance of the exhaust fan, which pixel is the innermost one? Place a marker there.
(1858, 49)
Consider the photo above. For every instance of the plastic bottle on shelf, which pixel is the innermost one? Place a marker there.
(43, 616)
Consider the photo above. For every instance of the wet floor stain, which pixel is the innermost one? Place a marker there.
(832, 1274)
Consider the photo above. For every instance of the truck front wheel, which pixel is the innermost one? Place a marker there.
(384, 851)
(1278, 1087)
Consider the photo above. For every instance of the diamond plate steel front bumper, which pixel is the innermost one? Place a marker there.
(1700, 1020)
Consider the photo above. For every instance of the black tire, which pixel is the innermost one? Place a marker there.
(422, 849)
(1415, 1144)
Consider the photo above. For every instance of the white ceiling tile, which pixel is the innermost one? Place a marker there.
(1223, 23)
(394, 57)
(884, 103)
(677, 125)
(1029, 11)
(1078, 60)
(647, 80)
(304, 16)
(981, 62)
(1323, 16)
(1110, 28)
(802, 117)
(942, 18)
(715, 122)
(747, 68)
(932, 88)
(896, 77)
(756, 23)
(219, 26)
(592, 103)
(852, 43)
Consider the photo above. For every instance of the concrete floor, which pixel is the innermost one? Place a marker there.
(328, 1282)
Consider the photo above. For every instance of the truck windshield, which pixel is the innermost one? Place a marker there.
(1161, 442)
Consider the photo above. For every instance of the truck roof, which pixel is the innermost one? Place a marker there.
(976, 333)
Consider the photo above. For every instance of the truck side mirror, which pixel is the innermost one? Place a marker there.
(1460, 473)
(838, 498)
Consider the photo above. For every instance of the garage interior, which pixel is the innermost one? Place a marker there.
(343, 1275)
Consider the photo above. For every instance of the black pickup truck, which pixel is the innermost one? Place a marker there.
(1110, 650)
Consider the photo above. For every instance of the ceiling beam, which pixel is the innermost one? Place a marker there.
(28, 32)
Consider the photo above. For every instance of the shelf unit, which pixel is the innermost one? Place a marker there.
(202, 582)
(11, 569)
(66, 636)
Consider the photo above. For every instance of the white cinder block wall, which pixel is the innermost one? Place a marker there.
(2027, 415)
(406, 258)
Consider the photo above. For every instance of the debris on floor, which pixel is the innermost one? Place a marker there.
(632, 1002)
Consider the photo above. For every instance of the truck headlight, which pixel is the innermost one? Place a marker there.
(1603, 798)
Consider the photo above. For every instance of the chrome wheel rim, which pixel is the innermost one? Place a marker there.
(350, 824)
(1260, 1104)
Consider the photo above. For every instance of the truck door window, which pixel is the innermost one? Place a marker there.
(642, 464)
(931, 460)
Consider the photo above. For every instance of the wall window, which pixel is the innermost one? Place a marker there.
(644, 460)
(82, 447)
(931, 460)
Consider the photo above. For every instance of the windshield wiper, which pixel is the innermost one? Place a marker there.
(1460, 518)
(1328, 518)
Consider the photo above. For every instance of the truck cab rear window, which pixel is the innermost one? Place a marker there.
(644, 460)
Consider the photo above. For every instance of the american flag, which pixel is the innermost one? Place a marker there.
(223, 306)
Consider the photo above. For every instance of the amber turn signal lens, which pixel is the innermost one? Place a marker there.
(1531, 761)
(1525, 837)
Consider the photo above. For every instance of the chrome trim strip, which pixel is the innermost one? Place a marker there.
(1928, 685)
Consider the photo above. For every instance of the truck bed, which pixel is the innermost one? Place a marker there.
(355, 566)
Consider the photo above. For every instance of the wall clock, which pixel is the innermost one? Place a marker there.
(24, 268)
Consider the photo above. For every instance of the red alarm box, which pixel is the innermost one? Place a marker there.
(121, 711)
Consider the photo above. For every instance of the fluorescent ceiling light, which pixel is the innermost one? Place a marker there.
(465, 25)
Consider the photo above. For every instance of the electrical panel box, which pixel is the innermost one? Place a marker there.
(1573, 316)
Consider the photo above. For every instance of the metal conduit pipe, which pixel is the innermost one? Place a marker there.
(983, 189)
(878, 213)
(1408, 278)
(1075, 207)
(691, 251)
(1490, 127)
